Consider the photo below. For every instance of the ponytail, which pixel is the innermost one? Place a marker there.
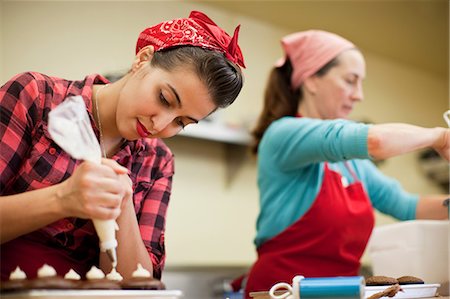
(279, 101)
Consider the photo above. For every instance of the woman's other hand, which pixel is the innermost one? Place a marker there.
(123, 178)
(442, 144)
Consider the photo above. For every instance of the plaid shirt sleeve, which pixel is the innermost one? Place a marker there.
(153, 170)
(20, 108)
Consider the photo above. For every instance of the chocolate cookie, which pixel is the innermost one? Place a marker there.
(142, 283)
(380, 281)
(52, 283)
(410, 280)
(13, 285)
(99, 284)
(388, 292)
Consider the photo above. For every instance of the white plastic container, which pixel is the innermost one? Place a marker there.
(408, 291)
(419, 248)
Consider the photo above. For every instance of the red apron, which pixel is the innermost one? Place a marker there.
(72, 249)
(328, 240)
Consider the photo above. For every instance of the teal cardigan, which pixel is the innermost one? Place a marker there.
(291, 159)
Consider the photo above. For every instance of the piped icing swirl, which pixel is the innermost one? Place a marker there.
(114, 275)
(72, 275)
(95, 273)
(17, 274)
(46, 271)
(140, 272)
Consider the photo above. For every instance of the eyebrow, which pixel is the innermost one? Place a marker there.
(358, 75)
(179, 104)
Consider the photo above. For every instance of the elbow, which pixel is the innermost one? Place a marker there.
(374, 147)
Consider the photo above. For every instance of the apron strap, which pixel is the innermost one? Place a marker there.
(350, 169)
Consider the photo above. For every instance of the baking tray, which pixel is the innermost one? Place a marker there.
(91, 294)
(409, 291)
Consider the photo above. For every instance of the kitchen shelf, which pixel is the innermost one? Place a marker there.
(217, 132)
(235, 140)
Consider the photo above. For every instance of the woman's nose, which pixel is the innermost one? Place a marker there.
(161, 121)
(358, 94)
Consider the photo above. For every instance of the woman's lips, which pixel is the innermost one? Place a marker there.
(142, 131)
(348, 108)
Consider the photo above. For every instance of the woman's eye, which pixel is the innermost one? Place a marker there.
(163, 100)
(180, 123)
(352, 80)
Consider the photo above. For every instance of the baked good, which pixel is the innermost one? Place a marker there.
(114, 275)
(74, 277)
(17, 281)
(388, 292)
(95, 279)
(141, 283)
(47, 278)
(380, 281)
(410, 280)
(141, 279)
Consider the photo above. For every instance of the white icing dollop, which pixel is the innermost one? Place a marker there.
(141, 272)
(46, 271)
(114, 275)
(17, 274)
(72, 275)
(95, 273)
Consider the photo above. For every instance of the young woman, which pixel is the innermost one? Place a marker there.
(318, 186)
(184, 69)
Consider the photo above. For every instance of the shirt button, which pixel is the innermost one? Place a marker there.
(69, 226)
(52, 151)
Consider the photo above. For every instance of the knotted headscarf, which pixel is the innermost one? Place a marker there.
(309, 51)
(196, 30)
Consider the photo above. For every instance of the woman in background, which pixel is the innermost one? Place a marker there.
(317, 183)
(184, 70)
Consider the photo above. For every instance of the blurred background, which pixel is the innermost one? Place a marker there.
(212, 215)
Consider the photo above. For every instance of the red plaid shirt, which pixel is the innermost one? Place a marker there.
(29, 159)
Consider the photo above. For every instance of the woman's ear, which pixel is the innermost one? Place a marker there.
(144, 56)
(310, 85)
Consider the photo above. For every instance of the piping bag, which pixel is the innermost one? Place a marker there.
(70, 128)
(320, 287)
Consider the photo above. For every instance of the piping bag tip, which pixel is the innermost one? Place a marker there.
(112, 255)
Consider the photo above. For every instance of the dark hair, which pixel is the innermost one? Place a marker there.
(280, 99)
(223, 79)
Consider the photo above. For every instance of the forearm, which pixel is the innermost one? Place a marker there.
(431, 207)
(388, 140)
(26, 212)
(131, 249)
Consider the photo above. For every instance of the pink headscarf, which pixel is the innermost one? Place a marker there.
(309, 51)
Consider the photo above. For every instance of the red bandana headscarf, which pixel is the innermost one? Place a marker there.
(197, 30)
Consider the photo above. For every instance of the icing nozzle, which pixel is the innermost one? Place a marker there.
(111, 253)
(106, 230)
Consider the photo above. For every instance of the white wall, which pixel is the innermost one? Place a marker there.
(210, 221)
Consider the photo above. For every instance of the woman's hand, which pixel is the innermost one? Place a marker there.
(442, 144)
(124, 179)
(95, 191)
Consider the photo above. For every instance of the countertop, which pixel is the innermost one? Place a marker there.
(94, 294)
(265, 295)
